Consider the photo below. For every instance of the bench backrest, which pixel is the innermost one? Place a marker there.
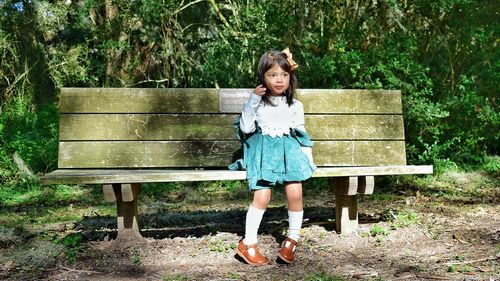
(180, 128)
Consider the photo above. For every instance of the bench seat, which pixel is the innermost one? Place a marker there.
(109, 176)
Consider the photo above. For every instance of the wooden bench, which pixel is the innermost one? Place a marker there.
(122, 137)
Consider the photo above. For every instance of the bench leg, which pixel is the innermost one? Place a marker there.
(126, 208)
(346, 204)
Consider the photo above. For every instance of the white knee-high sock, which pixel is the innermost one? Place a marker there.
(295, 224)
(254, 217)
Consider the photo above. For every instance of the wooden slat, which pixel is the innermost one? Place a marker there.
(232, 100)
(218, 127)
(326, 101)
(90, 176)
(357, 127)
(130, 100)
(147, 127)
(351, 101)
(359, 153)
(119, 154)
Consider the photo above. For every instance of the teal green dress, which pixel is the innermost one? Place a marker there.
(273, 160)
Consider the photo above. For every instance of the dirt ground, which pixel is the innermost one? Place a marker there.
(411, 238)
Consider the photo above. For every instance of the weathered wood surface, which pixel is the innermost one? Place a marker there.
(146, 127)
(132, 100)
(146, 154)
(345, 185)
(169, 128)
(109, 193)
(218, 127)
(171, 154)
(359, 153)
(355, 127)
(366, 185)
(326, 101)
(346, 204)
(126, 210)
(108, 176)
(112, 128)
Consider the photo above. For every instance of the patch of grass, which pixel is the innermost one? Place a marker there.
(404, 219)
(460, 268)
(492, 164)
(453, 183)
(381, 197)
(234, 276)
(316, 186)
(466, 268)
(74, 243)
(27, 202)
(176, 277)
(27, 193)
(378, 230)
(137, 258)
(40, 216)
(195, 192)
(324, 277)
(12, 236)
(35, 254)
(159, 188)
(218, 245)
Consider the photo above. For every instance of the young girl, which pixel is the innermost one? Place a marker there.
(277, 150)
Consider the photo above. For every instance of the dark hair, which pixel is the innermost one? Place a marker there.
(271, 59)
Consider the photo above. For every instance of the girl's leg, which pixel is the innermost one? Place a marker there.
(295, 214)
(261, 198)
(255, 212)
(295, 209)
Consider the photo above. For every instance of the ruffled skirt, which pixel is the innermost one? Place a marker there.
(275, 160)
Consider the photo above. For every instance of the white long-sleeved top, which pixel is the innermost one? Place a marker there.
(274, 120)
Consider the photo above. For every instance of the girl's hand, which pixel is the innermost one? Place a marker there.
(260, 90)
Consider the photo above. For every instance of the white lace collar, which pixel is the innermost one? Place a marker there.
(277, 119)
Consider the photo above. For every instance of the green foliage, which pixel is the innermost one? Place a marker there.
(31, 132)
(137, 258)
(454, 183)
(210, 191)
(492, 164)
(74, 243)
(403, 219)
(218, 245)
(378, 230)
(442, 55)
(25, 192)
(460, 268)
(176, 277)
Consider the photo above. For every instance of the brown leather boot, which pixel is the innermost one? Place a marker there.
(288, 249)
(251, 254)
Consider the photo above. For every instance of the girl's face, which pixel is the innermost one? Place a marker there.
(277, 80)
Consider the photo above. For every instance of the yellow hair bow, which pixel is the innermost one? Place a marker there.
(291, 62)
